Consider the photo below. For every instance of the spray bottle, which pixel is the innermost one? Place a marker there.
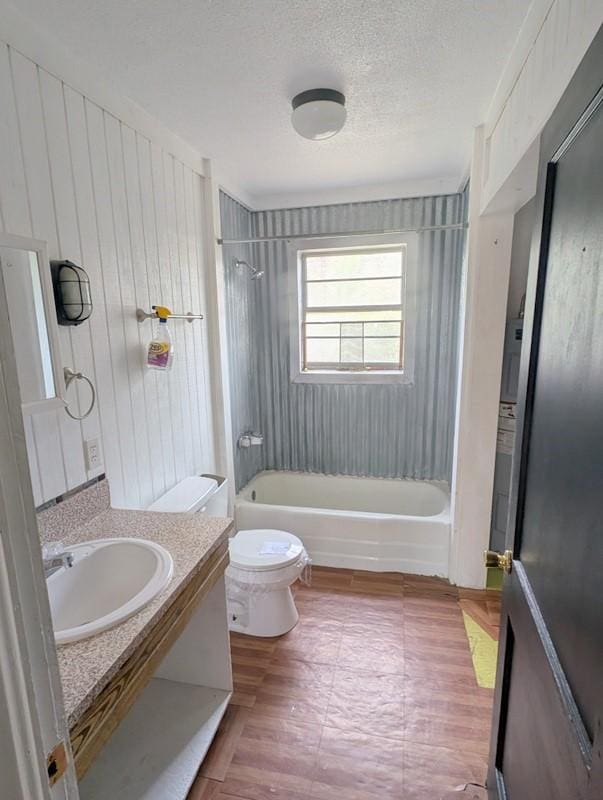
(160, 352)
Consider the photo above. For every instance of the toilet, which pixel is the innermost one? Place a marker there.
(263, 566)
(263, 563)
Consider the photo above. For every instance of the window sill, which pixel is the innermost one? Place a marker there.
(337, 376)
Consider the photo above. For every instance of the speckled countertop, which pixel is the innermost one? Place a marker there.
(87, 666)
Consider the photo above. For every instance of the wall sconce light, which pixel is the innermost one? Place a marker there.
(71, 292)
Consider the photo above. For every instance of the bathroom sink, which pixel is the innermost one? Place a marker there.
(110, 580)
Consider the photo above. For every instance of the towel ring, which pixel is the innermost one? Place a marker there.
(70, 376)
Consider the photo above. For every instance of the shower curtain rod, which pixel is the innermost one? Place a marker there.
(345, 234)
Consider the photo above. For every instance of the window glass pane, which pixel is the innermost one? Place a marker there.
(351, 351)
(356, 315)
(382, 351)
(351, 329)
(322, 351)
(323, 330)
(366, 264)
(353, 293)
(380, 329)
(363, 291)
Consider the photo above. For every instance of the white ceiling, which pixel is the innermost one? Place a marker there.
(418, 76)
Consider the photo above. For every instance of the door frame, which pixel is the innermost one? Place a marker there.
(30, 688)
(579, 102)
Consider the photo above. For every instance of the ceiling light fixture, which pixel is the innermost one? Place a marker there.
(318, 113)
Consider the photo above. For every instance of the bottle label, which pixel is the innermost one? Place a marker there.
(158, 354)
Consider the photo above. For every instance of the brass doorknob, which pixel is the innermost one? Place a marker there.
(502, 560)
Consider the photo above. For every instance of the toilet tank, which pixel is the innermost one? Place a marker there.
(205, 494)
(217, 504)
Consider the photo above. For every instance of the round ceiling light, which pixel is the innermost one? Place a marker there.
(318, 113)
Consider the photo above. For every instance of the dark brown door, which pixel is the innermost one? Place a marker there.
(547, 738)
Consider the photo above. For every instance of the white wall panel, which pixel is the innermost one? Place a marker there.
(57, 428)
(68, 241)
(77, 124)
(537, 74)
(158, 394)
(166, 255)
(152, 480)
(177, 331)
(191, 405)
(107, 197)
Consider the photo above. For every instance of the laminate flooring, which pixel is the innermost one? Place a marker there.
(372, 696)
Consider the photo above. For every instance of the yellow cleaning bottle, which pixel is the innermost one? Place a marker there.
(160, 352)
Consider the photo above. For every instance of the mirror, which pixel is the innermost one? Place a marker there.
(30, 305)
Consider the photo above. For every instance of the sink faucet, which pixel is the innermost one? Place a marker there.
(54, 556)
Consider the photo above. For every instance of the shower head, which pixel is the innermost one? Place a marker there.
(256, 274)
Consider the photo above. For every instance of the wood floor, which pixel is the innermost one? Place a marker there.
(371, 696)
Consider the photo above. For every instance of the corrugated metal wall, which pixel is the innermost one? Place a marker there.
(244, 353)
(379, 430)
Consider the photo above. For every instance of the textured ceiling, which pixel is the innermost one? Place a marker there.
(418, 76)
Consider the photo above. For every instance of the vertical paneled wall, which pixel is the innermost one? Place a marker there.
(391, 430)
(106, 197)
(245, 345)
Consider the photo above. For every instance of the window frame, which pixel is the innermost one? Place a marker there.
(301, 247)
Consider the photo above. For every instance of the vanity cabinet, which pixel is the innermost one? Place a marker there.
(146, 733)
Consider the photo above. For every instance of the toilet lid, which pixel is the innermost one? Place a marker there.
(190, 495)
(264, 549)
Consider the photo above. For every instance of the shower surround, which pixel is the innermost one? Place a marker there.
(377, 430)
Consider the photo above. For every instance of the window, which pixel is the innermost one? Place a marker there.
(351, 317)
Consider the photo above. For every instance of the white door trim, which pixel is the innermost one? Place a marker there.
(218, 334)
(30, 689)
(485, 287)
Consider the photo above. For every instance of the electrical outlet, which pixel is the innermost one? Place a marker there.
(94, 459)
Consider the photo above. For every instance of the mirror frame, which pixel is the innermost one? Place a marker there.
(39, 247)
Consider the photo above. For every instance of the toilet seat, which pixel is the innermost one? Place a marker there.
(246, 550)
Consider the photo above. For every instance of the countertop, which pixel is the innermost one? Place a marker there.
(87, 666)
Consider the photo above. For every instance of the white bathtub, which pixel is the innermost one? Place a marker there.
(360, 523)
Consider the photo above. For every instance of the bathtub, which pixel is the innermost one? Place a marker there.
(359, 523)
